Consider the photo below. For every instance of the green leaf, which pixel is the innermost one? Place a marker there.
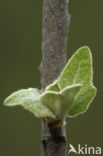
(69, 95)
(30, 100)
(60, 102)
(53, 87)
(82, 100)
(78, 70)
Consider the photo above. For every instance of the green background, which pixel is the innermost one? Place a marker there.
(20, 57)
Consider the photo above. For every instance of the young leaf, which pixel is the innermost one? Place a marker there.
(82, 100)
(64, 96)
(60, 102)
(30, 100)
(53, 87)
(78, 70)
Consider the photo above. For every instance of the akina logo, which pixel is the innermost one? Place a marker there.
(85, 150)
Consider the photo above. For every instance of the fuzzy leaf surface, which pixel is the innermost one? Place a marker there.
(82, 100)
(30, 100)
(60, 102)
(79, 69)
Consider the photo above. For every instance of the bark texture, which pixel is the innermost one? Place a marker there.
(56, 21)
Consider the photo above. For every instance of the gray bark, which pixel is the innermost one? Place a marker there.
(56, 21)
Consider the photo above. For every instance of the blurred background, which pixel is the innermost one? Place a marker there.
(20, 57)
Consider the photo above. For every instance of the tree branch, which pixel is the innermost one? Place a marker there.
(54, 45)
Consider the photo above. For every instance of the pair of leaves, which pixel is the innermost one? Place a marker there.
(60, 102)
(78, 71)
(69, 95)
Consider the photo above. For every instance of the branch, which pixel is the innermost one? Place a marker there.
(54, 45)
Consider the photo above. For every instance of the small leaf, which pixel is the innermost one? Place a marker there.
(60, 102)
(30, 100)
(82, 100)
(69, 95)
(53, 87)
(78, 70)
